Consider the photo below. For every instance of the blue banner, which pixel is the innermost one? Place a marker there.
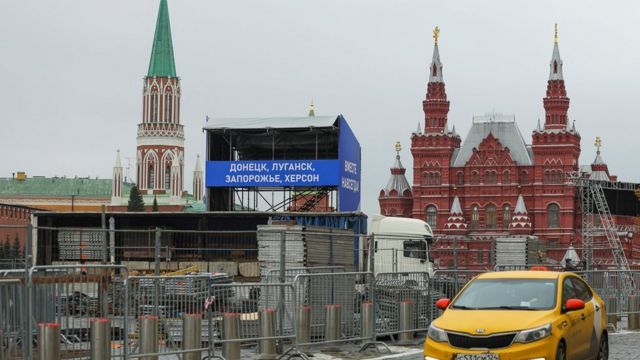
(273, 173)
(349, 157)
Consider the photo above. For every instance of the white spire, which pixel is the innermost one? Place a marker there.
(520, 208)
(118, 162)
(453, 129)
(539, 127)
(555, 66)
(456, 209)
(435, 70)
(418, 130)
(198, 165)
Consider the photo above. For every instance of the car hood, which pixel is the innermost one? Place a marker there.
(492, 321)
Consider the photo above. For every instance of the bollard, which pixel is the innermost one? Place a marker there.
(231, 330)
(267, 329)
(192, 335)
(366, 313)
(100, 339)
(49, 341)
(149, 336)
(332, 324)
(303, 327)
(406, 322)
(612, 309)
(634, 312)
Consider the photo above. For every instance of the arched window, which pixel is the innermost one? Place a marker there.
(490, 177)
(524, 177)
(154, 106)
(506, 215)
(460, 178)
(167, 106)
(491, 217)
(436, 178)
(505, 177)
(151, 176)
(475, 217)
(431, 216)
(425, 178)
(167, 176)
(475, 179)
(555, 67)
(553, 215)
(434, 70)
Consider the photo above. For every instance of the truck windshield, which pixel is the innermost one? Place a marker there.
(508, 294)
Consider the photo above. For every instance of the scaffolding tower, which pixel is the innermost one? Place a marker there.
(597, 221)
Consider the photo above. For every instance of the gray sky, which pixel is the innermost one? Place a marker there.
(71, 73)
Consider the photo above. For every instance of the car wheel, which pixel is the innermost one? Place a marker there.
(561, 353)
(603, 349)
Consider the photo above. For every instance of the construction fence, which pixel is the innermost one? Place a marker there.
(308, 291)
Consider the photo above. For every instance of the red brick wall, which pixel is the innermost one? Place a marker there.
(13, 220)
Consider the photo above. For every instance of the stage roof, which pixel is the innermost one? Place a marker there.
(271, 123)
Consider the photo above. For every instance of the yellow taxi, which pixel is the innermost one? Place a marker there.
(520, 315)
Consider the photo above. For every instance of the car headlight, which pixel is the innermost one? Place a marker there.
(527, 336)
(437, 334)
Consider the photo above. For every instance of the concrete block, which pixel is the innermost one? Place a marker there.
(202, 266)
(136, 265)
(249, 269)
(168, 266)
(228, 267)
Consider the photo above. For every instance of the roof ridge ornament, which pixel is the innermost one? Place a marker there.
(436, 34)
(398, 149)
(555, 34)
(598, 144)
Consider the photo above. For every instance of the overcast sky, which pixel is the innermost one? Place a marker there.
(71, 73)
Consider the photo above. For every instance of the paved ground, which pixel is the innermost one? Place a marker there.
(623, 346)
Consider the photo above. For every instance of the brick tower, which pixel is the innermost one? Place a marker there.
(432, 150)
(160, 142)
(556, 149)
(395, 199)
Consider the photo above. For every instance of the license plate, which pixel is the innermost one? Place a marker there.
(487, 356)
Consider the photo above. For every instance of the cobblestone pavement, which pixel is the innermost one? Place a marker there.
(624, 346)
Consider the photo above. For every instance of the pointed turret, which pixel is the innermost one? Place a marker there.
(556, 103)
(456, 220)
(116, 184)
(395, 199)
(599, 169)
(162, 62)
(198, 181)
(312, 111)
(520, 222)
(160, 132)
(436, 105)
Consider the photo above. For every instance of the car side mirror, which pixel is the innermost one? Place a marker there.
(574, 304)
(442, 304)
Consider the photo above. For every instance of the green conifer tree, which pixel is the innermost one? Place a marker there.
(136, 203)
(6, 248)
(15, 249)
(154, 208)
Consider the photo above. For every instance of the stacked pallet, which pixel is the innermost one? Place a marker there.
(81, 245)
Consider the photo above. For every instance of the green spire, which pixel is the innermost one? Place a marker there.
(162, 63)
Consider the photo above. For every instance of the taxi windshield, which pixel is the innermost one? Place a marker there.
(508, 294)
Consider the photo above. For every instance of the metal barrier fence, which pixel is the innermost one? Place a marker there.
(333, 303)
(72, 296)
(13, 314)
(395, 291)
(155, 312)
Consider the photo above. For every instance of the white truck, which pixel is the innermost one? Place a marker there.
(401, 245)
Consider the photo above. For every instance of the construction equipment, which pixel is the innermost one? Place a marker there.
(596, 209)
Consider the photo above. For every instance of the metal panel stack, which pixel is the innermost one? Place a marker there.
(81, 245)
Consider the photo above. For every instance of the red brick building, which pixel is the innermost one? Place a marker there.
(492, 183)
(13, 222)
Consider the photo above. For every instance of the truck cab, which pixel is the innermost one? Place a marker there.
(401, 245)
